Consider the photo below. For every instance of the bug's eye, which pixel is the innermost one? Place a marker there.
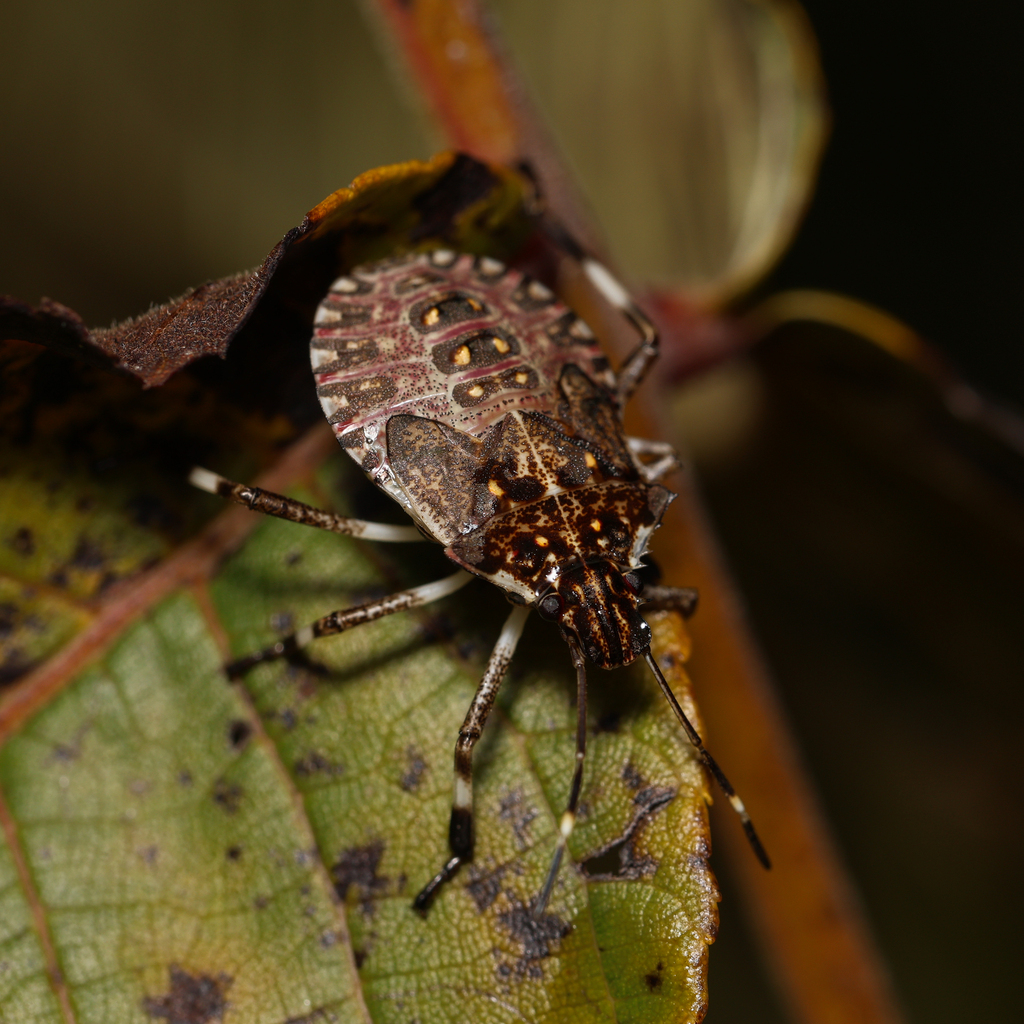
(633, 582)
(550, 607)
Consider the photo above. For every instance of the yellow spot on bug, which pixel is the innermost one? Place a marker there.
(495, 488)
(475, 391)
(541, 541)
(501, 345)
(522, 377)
(367, 384)
(595, 525)
(590, 461)
(461, 356)
(431, 316)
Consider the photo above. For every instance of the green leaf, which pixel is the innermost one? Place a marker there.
(177, 847)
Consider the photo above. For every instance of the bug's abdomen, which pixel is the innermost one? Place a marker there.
(453, 338)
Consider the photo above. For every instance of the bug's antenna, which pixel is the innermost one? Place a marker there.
(710, 763)
(565, 826)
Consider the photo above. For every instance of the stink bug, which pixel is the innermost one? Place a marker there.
(484, 406)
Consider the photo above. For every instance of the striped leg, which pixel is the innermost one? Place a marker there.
(338, 622)
(679, 599)
(639, 361)
(568, 820)
(278, 505)
(460, 829)
(664, 457)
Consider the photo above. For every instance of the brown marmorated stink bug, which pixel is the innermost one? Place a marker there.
(483, 405)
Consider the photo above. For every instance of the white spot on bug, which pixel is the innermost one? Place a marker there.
(539, 292)
(522, 377)
(579, 329)
(602, 280)
(501, 345)
(443, 257)
(463, 793)
(491, 266)
(462, 356)
(319, 356)
(475, 391)
(345, 285)
(455, 50)
(204, 479)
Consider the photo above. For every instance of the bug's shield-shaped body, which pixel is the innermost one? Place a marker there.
(484, 406)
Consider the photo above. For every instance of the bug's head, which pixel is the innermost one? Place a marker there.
(596, 606)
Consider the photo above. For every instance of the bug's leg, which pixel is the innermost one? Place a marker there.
(710, 763)
(568, 820)
(278, 505)
(679, 599)
(664, 458)
(338, 622)
(460, 827)
(639, 360)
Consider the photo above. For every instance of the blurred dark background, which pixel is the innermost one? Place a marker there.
(878, 543)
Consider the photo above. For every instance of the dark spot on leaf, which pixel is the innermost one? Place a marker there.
(87, 555)
(8, 618)
(282, 622)
(192, 999)
(315, 1017)
(23, 542)
(150, 512)
(513, 810)
(184, 777)
(239, 732)
(620, 859)
(315, 763)
(484, 886)
(610, 722)
(653, 979)
(356, 868)
(414, 772)
(539, 937)
(359, 955)
(233, 853)
(631, 776)
(228, 795)
(463, 184)
(14, 665)
(293, 558)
